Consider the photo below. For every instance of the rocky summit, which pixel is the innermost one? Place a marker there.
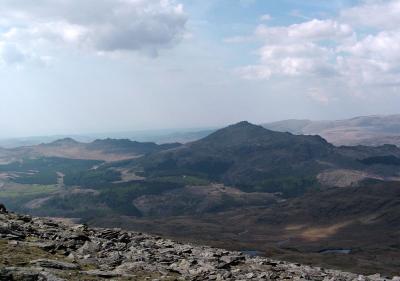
(43, 249)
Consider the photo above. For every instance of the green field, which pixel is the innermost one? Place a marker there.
(15, 191)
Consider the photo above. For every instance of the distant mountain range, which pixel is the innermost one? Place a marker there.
(156, 136)
(368, 130)
(105, 149)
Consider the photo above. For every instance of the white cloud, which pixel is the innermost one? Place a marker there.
(334, 48)
(296, 59)
(320, 29)
(384, 46)
(310, 30)
(101, 25)
(288, 66)
(374, 13)
(265, 17)
(295, 50)
(373, 60)
(11, 54)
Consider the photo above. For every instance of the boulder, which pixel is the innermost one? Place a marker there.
(3, 209)
(100, 273)
(46, 263)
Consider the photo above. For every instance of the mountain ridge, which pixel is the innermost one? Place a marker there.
(100, 149)
(373, 130)
(253, 158)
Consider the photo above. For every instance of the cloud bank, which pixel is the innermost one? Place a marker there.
(27, 28)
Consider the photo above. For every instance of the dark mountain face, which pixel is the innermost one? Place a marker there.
(257, 159)
(63, 142)
(247, 134)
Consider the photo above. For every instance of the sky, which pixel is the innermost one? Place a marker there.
(88, 66)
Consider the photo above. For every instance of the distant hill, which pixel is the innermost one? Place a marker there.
(127, 146)
(366, 130)
(156, 136)
(106, 150)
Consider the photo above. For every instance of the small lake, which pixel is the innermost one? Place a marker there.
(335, 251)
(251, 253)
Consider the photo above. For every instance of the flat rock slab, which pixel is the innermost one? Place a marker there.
(55, 264)
(100, 273)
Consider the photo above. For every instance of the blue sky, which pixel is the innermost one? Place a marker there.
(72, 67)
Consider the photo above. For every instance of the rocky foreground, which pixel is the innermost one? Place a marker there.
(42, 249)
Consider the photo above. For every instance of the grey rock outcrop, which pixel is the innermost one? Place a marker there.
(76, 251)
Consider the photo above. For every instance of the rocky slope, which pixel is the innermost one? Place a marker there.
(42, 249)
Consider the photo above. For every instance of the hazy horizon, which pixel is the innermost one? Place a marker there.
(149, 134)
(110, 66)
(110, 134)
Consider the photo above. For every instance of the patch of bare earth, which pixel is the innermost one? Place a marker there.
(127, 175)
(80, 152)
(343, 178)
(322, 232)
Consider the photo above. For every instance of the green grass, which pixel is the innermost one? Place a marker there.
(185, 180)
(27, 190)
(46, 168)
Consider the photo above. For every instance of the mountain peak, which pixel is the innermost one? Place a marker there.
(239, 133)
(64, 141)
(243, 124)
(110, 141)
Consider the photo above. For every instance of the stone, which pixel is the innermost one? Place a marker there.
(232, 260)
(3, 209)
(89, 248)
(99, 273)
(50, 277)
(46, 263)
